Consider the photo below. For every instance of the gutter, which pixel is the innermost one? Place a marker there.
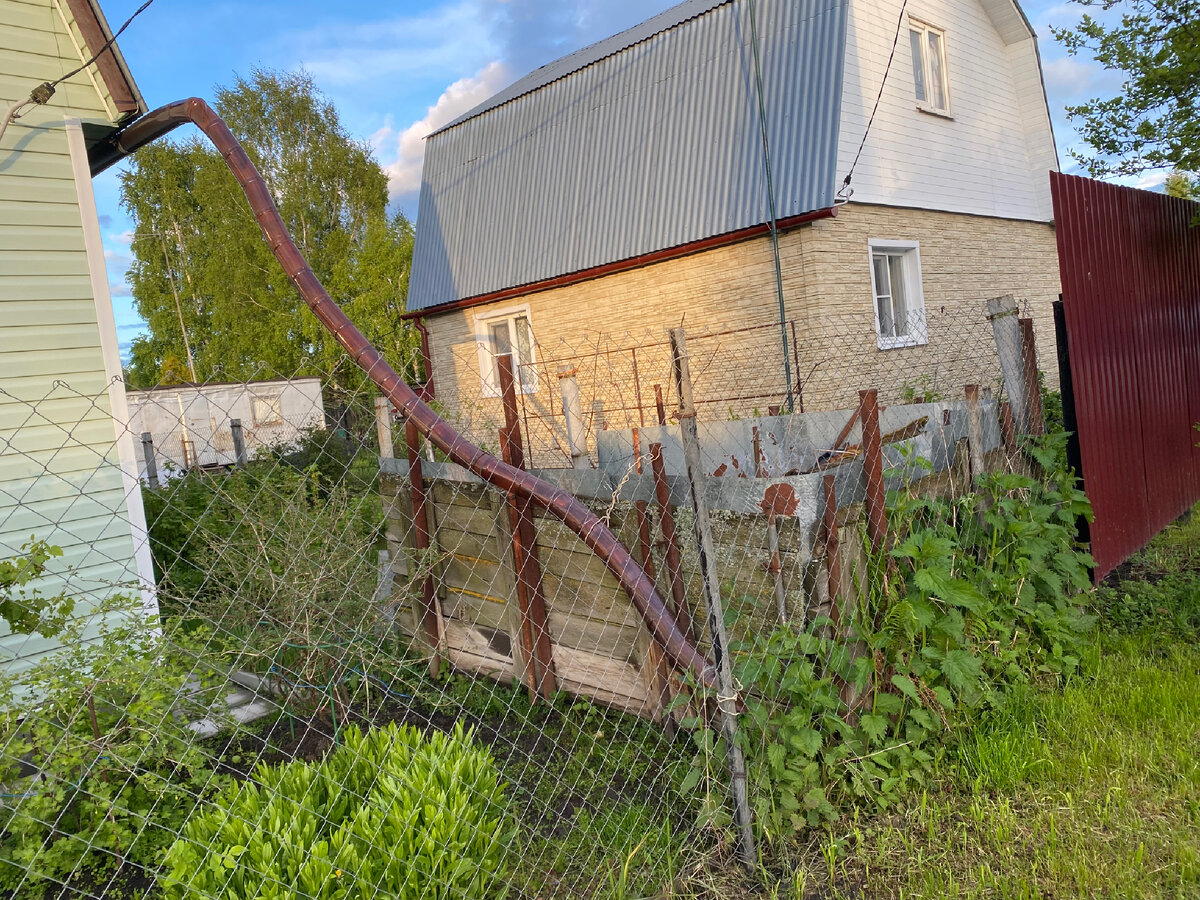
(624, 265)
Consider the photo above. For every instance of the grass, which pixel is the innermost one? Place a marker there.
(1093, 791)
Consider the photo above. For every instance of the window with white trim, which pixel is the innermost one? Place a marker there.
(266, 409)
(931, 80)
(506, 331)
(899, 298)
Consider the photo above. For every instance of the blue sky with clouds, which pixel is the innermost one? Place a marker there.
(398, 69)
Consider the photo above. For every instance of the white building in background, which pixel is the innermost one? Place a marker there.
(190, 426)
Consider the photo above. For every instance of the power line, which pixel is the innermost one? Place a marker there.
(41, 94)
(137, 12)
(844, 191)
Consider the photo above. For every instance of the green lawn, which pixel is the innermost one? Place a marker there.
(1093, 791)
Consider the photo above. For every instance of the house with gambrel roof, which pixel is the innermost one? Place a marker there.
(633, 185)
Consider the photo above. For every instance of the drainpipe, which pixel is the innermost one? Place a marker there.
(426, 359)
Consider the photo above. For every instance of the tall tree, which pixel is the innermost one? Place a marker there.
(217, 303)
(1153, 122)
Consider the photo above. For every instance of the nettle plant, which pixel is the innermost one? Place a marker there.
(973, 595)
(99, 769)
(391, 813)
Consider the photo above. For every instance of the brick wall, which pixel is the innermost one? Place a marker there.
(593, 326)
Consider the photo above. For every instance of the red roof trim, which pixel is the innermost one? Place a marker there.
(624, 265)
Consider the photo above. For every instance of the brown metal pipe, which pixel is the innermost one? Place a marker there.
(555, 500)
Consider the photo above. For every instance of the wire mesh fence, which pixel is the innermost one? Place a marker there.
(259, 646)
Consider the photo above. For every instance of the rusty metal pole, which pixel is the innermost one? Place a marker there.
(672, 556)
(727, 695)
(773, 564)
(1033, 387)
(1008, 431)
(530, 595)
(833, 561)
(661, 671)
(430, 614)
(873, 468)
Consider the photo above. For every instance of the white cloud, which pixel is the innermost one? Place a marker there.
(404, 47)
(404, 169)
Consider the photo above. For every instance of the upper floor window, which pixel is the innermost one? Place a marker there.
(899, 298)
(931, 82)
(506, 331)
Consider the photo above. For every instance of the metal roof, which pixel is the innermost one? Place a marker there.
(645, 141)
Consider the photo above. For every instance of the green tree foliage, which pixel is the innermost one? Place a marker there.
(200, 261)
(1179, 184)
(1152, 123)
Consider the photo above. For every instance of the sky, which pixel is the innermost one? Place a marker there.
(397, 70)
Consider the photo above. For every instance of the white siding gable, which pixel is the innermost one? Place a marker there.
(992, 156)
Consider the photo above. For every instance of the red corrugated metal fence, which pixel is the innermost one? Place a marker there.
(1130, 266)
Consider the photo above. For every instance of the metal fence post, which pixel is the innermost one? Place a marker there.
(431, 614)
(239, 443)
(727, 699)
(530, 593)
(572, 408)
(872, 444)
(151, 464)
(1002, 313)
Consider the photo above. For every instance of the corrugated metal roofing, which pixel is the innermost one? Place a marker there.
(646, 141)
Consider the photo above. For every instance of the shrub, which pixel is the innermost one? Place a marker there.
(100, 724)
(973, 595)
(390, 813)
(292, 583)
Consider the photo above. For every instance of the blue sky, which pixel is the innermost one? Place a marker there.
(395, 70)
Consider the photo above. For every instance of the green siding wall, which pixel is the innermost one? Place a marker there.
(59, 476)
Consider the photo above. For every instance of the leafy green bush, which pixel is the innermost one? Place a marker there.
(99, 767)
(24, 609)
(292, 583)
(975, 594)
(191, 514)
(390, 813)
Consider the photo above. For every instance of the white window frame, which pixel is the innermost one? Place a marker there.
(925, 29)
(273, 413)
(527, 375)
(910, 252)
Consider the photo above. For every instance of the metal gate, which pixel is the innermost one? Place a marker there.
(1130, 266)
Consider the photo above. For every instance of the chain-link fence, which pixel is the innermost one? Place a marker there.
(259, 647)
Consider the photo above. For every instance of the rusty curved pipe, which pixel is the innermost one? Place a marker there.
(556, 501)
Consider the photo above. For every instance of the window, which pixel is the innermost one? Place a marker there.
(899, 300)
(265, 409)
(507, 331)
(930, 79)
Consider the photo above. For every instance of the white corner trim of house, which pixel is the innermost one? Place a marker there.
(110, 350)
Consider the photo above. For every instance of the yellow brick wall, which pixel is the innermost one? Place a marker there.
(594, 326)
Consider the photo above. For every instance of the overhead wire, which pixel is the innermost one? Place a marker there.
(41, 94)
(845, 192)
